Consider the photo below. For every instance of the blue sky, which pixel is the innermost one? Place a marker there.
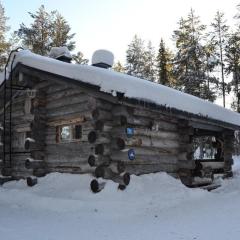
(111, 24)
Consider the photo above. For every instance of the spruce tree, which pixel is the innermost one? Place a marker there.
(233, 67)
(79, 58)
(47, 30)
(135, 60)
(218, 38)
(4, 44)
(190, 59)
(149, 70)
(164, 66)
(60, 33)
(118, 67)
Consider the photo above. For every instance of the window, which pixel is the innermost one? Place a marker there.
(69, 133)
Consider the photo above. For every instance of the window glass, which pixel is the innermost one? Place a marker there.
(78, 131)
(65, 133)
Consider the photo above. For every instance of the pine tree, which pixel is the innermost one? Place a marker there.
(190, 59)
(135, 60)
(4, 45)
(60, 33)
(79, 58)
(233, 67)
(149, 70)
(218, 38)
(118, 67)
(164, 66)
(47, 30)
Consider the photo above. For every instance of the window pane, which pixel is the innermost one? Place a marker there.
(78, 131)
(65, 133)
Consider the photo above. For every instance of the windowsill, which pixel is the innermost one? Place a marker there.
(69, 141)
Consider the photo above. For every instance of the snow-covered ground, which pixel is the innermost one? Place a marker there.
(155, 206)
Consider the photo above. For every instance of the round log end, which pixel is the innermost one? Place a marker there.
(150, 125)
(123, 120)
(121, 167)
(99, 172)
(27, 164)
(95, 114)
(92, 137)
(126, 178)
(99, 125)
(121, 187)
(120, 143)
(99, 149)
(27, 145)
(198, 165)
(94, 185)
(91, 160)
(31, 181)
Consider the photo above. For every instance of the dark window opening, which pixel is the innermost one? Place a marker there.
(208, 147)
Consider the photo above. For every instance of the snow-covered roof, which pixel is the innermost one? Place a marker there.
(132, 87)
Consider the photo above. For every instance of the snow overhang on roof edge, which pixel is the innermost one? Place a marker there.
(133, 88)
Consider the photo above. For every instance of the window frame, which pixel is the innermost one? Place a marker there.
(72, 133)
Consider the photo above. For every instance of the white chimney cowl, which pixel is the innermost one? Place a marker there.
(102, 58)
(57, 52)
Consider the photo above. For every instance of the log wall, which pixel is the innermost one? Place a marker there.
(116, 139)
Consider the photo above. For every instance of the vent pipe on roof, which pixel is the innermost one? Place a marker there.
(103, 59)
(61, 54)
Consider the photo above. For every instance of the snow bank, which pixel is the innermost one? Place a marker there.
(132, 87)
(67, 192)
(154, 206)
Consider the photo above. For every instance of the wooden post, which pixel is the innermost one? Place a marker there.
(31, 181)
(228, 137)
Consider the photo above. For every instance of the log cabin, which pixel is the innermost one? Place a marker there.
(56, 116)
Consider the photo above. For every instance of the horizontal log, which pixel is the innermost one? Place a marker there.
(63, 93)
(100, 114)
(139, 132)
(96, 160)
(69, 109)
(140, 112)
(79, 119)
(102, 149)
(68, 101)
(145, 142)
(212, 164)
(125, 120)
(104, 126)
(33, 163)
(143, 158)
(139, 169)
(96, 137)
(107, 173)
(56, 120)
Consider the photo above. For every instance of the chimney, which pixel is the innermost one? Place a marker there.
(102, 58)
(61, 54)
